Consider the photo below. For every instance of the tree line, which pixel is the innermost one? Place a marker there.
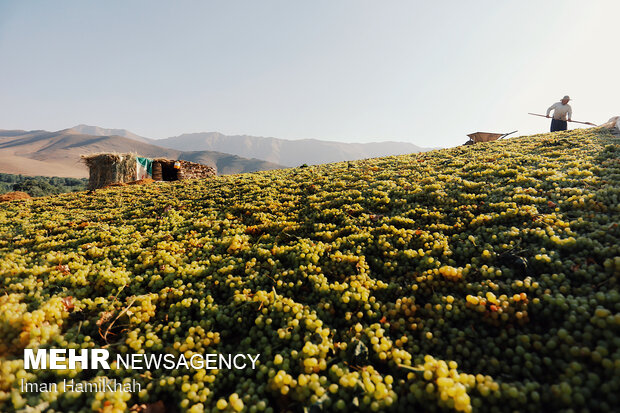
(40, 185)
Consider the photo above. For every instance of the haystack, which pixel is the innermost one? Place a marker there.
(107, 168)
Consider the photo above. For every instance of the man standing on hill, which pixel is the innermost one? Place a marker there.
(560, 110)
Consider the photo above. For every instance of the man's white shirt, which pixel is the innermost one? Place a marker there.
(560, 111)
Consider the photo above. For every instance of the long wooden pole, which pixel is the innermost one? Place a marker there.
(574, 121)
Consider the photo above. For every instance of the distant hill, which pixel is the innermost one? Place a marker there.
(287, 152)
(58, 153)
(97, 131)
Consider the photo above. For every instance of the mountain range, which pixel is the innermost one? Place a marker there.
(58, 153)
(98, 131)
(280, 151)
(287, 152)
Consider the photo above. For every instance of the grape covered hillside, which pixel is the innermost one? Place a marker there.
(480, 278)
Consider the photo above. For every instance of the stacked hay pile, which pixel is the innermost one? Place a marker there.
(108, 168)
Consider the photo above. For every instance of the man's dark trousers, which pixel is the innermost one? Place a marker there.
(558, 125)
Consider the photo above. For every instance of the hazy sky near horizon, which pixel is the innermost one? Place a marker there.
(356, 71)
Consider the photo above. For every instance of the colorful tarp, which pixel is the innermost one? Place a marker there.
(144, 168)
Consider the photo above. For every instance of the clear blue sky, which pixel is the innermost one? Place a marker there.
(417, 71)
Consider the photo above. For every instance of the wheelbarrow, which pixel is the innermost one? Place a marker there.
(478, 137)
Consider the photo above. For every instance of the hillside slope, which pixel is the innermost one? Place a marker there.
(480, 278)
(288, 152)
(99, 131)
(58, 153)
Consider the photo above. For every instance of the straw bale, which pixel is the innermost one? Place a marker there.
(108, 168)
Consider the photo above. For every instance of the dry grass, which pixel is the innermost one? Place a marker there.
(14, 196)
(141, 182)
(113, 184)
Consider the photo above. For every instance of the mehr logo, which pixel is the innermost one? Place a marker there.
(98, 359)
